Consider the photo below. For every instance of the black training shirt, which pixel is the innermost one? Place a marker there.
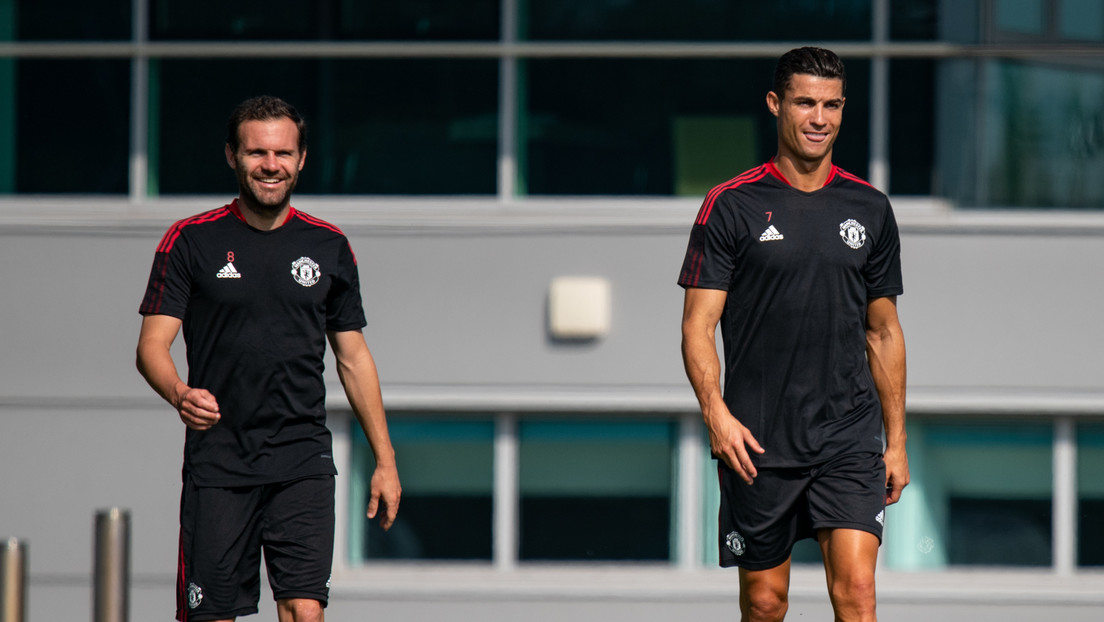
(256, 306)
(799, 268)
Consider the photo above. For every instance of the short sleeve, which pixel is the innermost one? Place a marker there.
(710, 258)
(344, 309)
(170, 279)
(883, 268)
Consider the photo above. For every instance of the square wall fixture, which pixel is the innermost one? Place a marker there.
(579, 307)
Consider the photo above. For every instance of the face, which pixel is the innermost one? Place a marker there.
(809, 117)
(267, 163)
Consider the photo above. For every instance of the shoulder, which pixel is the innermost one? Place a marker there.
(316, 223)
(186, 225)
(853, 183)
(743, 184)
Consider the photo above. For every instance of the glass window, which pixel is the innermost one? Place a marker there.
(660, 127)
(205, 20)
(695, 20)
(1033, 134)
(1090, 494)
(1081, 20)
(410, 20)
(914, 20)
(447, 471)
(596, 490)
(73, 130)
(74, 20)
(390, 20)
(399, 127)
(911, 126)
(1020, 17)
(980, 495)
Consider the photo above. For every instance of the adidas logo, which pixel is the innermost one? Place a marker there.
(770, 234)
(229, 272)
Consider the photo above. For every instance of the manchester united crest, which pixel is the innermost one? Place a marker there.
(305, 271)
(735, 543)
(853, 234)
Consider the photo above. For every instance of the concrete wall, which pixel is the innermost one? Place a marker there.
(999, 313)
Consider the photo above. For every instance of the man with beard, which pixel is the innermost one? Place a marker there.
(258, 288)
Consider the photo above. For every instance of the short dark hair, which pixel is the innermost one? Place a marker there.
(812, 61)
(264, 108)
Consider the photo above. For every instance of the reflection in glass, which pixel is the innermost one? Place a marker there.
(596, 490)
(447, 472)
(980, 495)
(401, 127)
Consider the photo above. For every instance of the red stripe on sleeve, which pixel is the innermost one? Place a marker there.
(754, 174)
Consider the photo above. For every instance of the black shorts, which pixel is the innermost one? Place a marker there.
(759, 524)
(222, 533)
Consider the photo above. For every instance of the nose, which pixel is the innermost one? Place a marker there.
(818, 116)
(270, 162)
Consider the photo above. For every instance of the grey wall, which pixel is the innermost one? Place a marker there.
(999, 312)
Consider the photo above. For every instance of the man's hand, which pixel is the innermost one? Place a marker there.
(199, 410)
(897, 474)
(730, 440)
(386, 491)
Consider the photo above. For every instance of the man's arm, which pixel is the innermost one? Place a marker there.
(729, 440)
(357, 371)
(198, 409)
(885, 350)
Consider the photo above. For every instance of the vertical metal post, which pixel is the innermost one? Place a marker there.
(506, 515)
(879, 99)
(139, 105)
(507, 106)
(13, 581)
(688, 511)
(1065, 496)
(111, 574)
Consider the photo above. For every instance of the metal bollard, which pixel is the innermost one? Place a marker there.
(111, 574)
(13, 581)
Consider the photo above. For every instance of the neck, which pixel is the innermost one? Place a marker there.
(803, 174)
(262, 218)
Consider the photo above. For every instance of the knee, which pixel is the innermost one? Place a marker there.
(855, 594)
(765, 605)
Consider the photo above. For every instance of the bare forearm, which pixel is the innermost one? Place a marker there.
(156, 365)
(886, 354)
(703, 366)
(361, 382)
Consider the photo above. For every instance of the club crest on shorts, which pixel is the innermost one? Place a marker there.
(735, 543)
(195, 595)
(853, 234)
(305, 271)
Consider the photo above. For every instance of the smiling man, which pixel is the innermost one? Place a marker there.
(258, 288)
(799, 263)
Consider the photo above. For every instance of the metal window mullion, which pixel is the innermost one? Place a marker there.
(139, 103)
(507, 105)
(1065, 495)
(505, 519)
(879, 99)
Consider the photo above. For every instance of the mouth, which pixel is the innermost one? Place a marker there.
(268, 181)
(816, 137)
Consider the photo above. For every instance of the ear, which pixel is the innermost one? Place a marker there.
(774, 104)
(230, 157)
(302, 159)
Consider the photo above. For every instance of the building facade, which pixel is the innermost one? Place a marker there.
(476, 154)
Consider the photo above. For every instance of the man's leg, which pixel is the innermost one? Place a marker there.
(764, 594)
(850, 556)
(299, 610)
